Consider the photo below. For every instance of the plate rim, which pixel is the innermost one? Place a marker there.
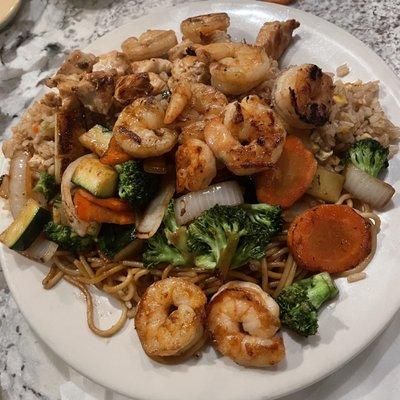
(362, 50)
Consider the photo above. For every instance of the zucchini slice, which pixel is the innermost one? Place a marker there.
(26, 227)
(97, 178)
(96, 139)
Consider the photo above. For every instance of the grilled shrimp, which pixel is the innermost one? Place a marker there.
(191, 102)
(235, 67)
(170, 317)
(152, 43)
(140, 128)
(189, 69)
(156, 65)
(195, 166)
(276, 36)
(199, 29)
(249, 138)
(303, 96)
(242, 321)
(182, 49)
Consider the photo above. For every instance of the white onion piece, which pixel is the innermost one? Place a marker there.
(367, 188)
(151, 220)
(41, 249)
(79, 226)
(20, 182)
(193, 204)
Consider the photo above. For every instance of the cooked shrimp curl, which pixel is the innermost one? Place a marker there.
(235, 68)
(249, 138)
(152, 43)
(303, 96)
(199, 29)
(140, 128)
(170, 318)
(242, 321)
(195, 166)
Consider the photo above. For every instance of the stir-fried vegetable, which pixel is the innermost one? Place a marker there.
(300, 302)
(92, 212)
(365, 159)
(135, 185)
(46, 185)
(113, 203)
(326, 185)
(67, 239)
(265, 221)
(114, 154)
(114, 238)
(367, 188)
(369, 156)
(169, 245)
(329, 237)
(96, 139)
(290, 177)
(191, 205)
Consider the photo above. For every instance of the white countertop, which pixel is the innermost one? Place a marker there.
(30, 49)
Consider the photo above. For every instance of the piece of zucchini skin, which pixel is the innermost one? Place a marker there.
(35, 220)
(96, 178)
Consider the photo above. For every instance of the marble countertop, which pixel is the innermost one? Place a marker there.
(30, 49)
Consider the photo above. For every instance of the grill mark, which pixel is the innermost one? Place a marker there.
(132, 135)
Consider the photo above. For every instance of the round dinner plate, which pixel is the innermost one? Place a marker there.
(347, 325)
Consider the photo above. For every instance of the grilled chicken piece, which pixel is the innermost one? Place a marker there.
(70, 124)
(133, 86)
(113, 60)
(95, 90)
(276, 36)
(76, 63)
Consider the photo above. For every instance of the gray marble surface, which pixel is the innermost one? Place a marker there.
(30, 49)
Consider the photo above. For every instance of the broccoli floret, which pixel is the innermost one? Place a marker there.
(264, 222)
(215, 236)
(135, 185)
(46, 185)
(300, 302)
(113, 238)
(67, 239)
(369, 156)
(169, 245)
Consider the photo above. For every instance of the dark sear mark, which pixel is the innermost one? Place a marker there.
(316, 114)
(315, 72)
(159, 132)
(238, 117)
(190, 51)
(132, 135)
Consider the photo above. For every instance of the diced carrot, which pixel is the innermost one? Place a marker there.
(112, 203)
(290, 177)
(36, 128)
(115, 154)
(91, 212)
(329, 237)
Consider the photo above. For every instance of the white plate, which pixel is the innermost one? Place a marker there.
(346, 326)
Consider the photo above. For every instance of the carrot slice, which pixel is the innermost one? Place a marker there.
(290, 177)
(329, 237)
(112, 203)
(115, 154)
(91, 212)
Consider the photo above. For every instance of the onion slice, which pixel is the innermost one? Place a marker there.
(20, 182)
(367, 188)
(41, 249)
(154, 213)
(193, 204)
(80, 227)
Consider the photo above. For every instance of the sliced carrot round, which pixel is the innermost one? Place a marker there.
(329, 237)
(290, 177)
